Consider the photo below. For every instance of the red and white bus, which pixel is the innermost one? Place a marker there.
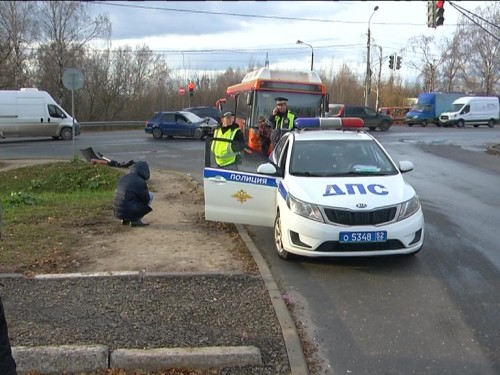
(256, 96)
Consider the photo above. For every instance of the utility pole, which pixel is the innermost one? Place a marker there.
(379, 79)
(368, 78)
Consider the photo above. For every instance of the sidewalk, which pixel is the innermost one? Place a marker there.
(225, 318)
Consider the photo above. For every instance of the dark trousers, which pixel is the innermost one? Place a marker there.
(7, 363)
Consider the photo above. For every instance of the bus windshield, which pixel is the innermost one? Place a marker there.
(302, 104)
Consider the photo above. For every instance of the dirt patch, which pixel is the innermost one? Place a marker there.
(178, 238)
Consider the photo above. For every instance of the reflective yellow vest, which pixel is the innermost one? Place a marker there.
(223, 151)
(280, 121)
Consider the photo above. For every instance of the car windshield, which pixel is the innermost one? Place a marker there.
(325, 158)
(192, 117)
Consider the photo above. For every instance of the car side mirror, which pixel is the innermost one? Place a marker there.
(266, 168)
(405, 166)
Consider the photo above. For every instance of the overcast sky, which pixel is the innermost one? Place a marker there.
(216, 35)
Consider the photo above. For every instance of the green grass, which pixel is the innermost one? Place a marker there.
(46, 209)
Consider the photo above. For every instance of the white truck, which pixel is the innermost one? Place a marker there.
(472, 110)
(34, 113)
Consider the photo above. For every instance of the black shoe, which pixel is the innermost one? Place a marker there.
(138, 224)
(125, 222)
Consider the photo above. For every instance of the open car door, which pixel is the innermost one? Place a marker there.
(239, 194)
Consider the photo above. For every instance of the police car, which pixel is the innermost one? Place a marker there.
(327, 193)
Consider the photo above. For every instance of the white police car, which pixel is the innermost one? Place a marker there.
(325, 192)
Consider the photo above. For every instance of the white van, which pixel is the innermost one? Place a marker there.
(472, 110)
(33, 113)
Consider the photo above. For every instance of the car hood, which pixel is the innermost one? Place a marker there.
(350, 192)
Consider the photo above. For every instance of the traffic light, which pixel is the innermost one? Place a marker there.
(391, 62)
(439, 13)
(191, 88)
(431, 13)
(398, 62)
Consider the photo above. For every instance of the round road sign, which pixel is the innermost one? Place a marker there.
(73, 78)
(182, 90)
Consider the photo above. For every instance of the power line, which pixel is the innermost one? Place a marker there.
(149, 7)
(463, 12)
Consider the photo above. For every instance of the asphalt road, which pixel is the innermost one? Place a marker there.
(436, 313)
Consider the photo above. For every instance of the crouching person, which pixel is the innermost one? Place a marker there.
(132, 196)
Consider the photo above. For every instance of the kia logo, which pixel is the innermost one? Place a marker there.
(361, 205)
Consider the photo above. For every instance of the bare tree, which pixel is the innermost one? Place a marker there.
(66, 28)
(453, 58)
(482, 69)
(18, 27)
(429, 62)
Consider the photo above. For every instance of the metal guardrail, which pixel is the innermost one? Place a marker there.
(110, 124)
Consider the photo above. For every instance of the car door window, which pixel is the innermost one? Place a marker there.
(181, 120)
(168, 117)
(353, 111)
(370, 112)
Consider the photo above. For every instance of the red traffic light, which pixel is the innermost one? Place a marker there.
(191, 86)
(440, 4)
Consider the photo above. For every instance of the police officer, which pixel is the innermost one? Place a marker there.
(228, 153)
(282, 119)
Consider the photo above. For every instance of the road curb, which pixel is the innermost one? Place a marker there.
(296, 358)
(74, 358)
(185, 358)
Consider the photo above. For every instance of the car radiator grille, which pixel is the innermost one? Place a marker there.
(346, 217)
(335, 246)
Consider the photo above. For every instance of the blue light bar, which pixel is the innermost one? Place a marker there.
(334, 123)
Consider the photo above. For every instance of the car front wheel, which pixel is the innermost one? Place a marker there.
(157, 133)
(67, 134)
(278, 239)
(198, 133)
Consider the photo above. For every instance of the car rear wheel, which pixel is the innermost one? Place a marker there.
(278, 239)
(491, 123)
(198, 133)
(157, 133)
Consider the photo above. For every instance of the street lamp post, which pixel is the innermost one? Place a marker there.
(312, 52)
(368, 69)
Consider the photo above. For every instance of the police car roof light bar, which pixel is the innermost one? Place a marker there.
(328, 123)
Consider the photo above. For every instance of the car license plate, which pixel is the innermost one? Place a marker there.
(350, 237)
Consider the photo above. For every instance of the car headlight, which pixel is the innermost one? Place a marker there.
(408, 208)
(307, 210)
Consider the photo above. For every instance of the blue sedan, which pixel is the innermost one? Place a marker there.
(179, 124)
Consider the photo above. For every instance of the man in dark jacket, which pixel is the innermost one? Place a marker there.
(7, 363)
(132, 196)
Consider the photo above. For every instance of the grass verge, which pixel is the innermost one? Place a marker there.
(44, 210)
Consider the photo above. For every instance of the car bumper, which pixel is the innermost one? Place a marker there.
(148, 130)
(309, 238)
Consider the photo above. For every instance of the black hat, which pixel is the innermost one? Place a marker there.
(281, 99)
(228, 114)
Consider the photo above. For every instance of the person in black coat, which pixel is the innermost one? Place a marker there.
(7, 363)
(132, 196)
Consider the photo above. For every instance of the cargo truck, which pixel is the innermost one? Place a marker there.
(430, 106)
